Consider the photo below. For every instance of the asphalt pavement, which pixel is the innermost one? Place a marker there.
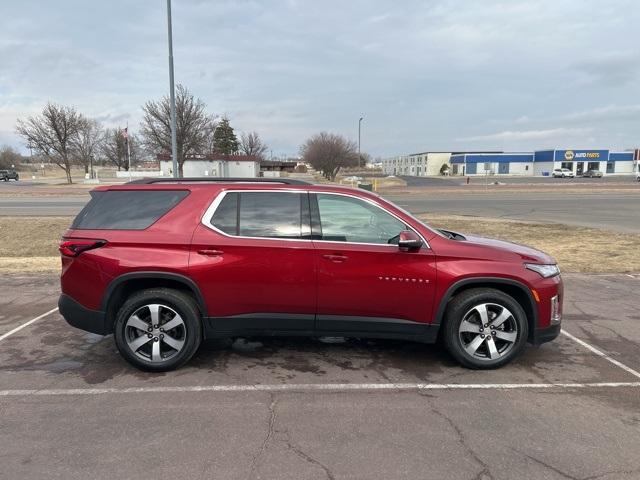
(618, 211)
(613, 211)
(48, 205)
(322, 408)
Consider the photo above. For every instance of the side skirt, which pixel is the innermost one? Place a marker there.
(298, 325)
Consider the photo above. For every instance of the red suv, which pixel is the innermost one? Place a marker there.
(164, 264)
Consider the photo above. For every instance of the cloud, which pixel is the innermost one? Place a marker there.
(426, 75)
(611, 69)
(538, 135)
(607, 112)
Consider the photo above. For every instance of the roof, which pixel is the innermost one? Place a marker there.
(212, 157)
(217, 180)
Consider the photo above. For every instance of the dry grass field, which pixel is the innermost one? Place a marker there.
(29, 244)
(577, 249)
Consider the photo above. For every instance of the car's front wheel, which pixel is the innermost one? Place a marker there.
(158, 329)
(485, 328)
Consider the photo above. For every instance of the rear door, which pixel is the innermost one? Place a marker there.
(365, 282)
(254, 261)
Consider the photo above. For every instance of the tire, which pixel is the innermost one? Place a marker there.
(158, 349)
(475, 345)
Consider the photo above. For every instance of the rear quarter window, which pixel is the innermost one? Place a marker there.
(126, 209)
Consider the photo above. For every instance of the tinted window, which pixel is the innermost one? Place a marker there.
(347, 219)
(225, 217)
(126, 210)
(262, 214)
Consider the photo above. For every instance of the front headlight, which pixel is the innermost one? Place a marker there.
(545, 271)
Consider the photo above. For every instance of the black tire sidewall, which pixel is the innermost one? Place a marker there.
(181, 303)
(460, 305)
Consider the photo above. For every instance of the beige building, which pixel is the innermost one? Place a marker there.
(417, 164)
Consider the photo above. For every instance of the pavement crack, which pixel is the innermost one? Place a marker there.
(308, 458)
(485, 473)
(549, 466)
(270, 430)
(612, 472)
(376, 365)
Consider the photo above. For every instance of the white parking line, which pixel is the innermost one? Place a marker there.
(602, 354)
(309, 387)
(17, 329)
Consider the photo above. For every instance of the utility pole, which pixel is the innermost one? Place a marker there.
(359, 128)
(174, 147)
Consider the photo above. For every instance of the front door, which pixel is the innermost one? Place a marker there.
(254, 261)
(579, 168)
(365, 283)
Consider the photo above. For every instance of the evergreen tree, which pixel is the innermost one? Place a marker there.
(224, 139)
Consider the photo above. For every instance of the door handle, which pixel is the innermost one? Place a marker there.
(336, 258)
(210, 252)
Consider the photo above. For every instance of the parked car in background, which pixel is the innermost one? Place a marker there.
(592, 174)
(6, 175)
(163, 264)
(562, 173)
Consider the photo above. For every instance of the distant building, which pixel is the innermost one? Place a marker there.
(214, 165)
(418, 164)
(543, 162)
(538, 163)
(273, 168)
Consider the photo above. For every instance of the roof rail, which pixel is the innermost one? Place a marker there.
(285, 181)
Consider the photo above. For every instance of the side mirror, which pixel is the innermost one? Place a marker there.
(409, 240)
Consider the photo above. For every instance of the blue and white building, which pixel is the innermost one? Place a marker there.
(543, 162)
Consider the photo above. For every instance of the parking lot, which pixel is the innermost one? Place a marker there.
(323, 408)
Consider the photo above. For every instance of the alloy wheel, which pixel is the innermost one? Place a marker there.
(155, 333)
(488, 332)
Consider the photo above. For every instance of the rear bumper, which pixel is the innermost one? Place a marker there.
(80, 317)
(543, 335)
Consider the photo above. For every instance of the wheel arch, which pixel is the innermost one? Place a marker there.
(124, 285)
(518, 290)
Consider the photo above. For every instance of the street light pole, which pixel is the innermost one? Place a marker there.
(174, 147)
(359, 128)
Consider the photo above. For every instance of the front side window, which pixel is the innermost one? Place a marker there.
(262, 214)
(348, 219)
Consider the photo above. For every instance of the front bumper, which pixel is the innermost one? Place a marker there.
(80, 317)
(544, 335)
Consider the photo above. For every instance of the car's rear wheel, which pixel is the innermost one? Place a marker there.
(485, 328)
(158, 329)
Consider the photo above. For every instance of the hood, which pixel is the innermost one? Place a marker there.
(527, 254)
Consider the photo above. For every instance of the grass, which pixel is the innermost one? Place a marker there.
(30, 244)
(577, 249)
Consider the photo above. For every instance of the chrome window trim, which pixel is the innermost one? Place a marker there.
(208, 216)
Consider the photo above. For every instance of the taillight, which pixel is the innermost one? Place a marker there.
(74, 247)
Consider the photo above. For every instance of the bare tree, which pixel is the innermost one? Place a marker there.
(328, 153)
(251, 144)
(194, 126)
(87, 143)
(52, 134)
(9, 157)
(114, 147)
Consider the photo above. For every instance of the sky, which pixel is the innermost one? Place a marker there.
(425, 75)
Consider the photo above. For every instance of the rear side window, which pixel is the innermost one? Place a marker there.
(226, 216)
(263, 214)
(126, 209)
